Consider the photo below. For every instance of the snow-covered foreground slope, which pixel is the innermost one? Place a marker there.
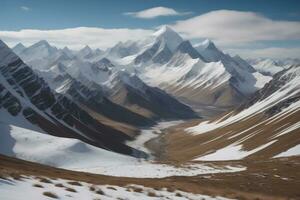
(54, 151)
(76, 155)
(35, 189)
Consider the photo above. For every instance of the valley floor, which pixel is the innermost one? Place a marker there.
(154, 179)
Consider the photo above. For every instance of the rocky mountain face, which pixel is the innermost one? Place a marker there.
(200, 75)
(154, 103)
(18, 48)
(285, 82)
(27, 100)
(118, 85)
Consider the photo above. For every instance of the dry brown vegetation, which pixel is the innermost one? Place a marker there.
(152, 194)
(137, 189)
(178, 146)
(59, 185)
(111, 188)
(44, 180)
(71, 190)
(51, 195)
(178, 194)
(92, 188)
(74, 183)
(37, 185)
(99, 191)
(259, 181)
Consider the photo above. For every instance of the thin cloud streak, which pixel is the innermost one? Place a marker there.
(75, 38)
(271, 52)
(25, 8)
(228, 27)
(156, 12)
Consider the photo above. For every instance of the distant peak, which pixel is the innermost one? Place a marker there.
(87, 47)
(237, 56)
(19, 45)
(208, 44)
(98, 50)
(2, 44)
(104, 60)
(42, 42)
(164, 30)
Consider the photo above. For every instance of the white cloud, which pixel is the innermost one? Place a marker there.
(25, 8)
(271, 52)
(75, 37)
(228, 27)
(156, 12)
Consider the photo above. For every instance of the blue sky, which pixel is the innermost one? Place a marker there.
(18, 15)
(56, 14)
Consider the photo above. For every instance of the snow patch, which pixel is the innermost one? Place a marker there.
(11, 189)
(294, 151)
(232, 152)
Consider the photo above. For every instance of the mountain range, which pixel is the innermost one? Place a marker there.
(160, 110)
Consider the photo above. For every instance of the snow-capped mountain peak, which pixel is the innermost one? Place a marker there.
(209, 51)
(88, 53)
(169, 36)
(206, 44)
(6, 55)
(43, 43)
(86, 50)
(18, 48)
(39, 50)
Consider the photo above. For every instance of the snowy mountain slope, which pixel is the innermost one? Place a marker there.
(130, 91)
(65, 153)
(26, 95)
(197, 81)
(92, 97)
(244, 76)
(118, 85)
(18, 48)
(157, 48)
(42, 55)
(169, 36)
(68, 52)
(216, 79)
(264, 127)
(270, 67)
(123, 49)
(87, 53)
(167, 58)
(54, 151)
(209, 51)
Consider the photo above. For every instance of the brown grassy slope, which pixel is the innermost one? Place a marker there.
(181, 146)
(223, 95)
(258, 182)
